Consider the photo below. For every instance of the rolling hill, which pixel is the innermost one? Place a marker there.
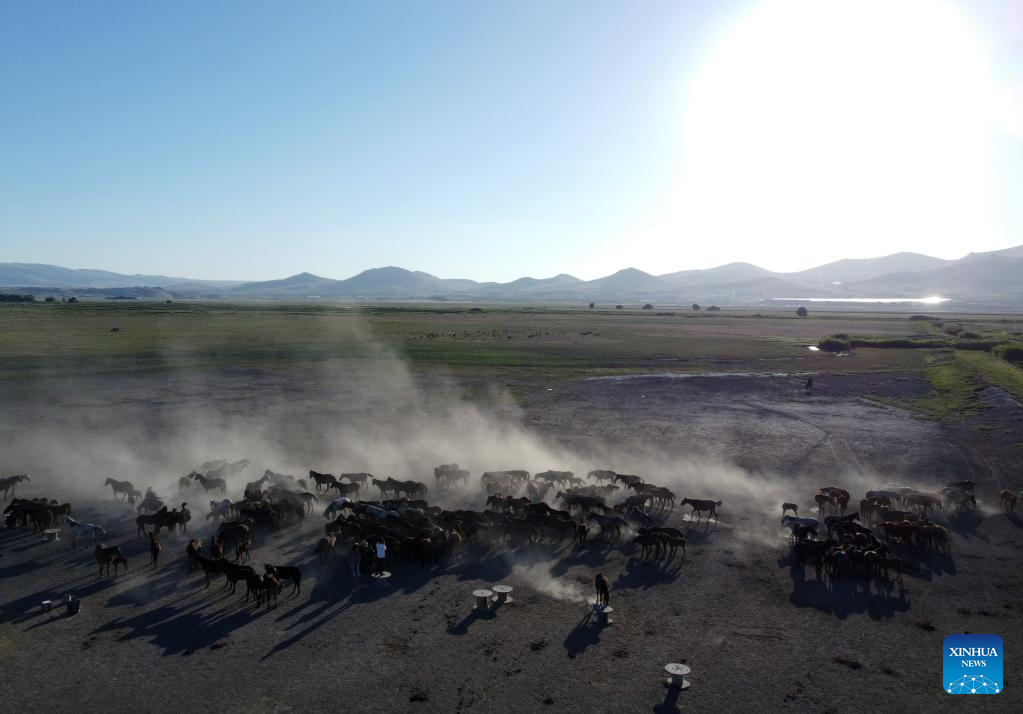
(993, 279)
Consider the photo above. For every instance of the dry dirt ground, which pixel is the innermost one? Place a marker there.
(759, 632)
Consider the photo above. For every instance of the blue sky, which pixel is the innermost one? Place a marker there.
(484, 140)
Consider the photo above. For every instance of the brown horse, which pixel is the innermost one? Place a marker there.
(789, 507)
(325, 548)
(243, 551)
(105, 556)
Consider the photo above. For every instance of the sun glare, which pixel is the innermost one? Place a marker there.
(863, 123)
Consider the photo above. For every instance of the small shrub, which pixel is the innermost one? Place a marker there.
(840, 336)
(696, 307)
(619, 307)
(713, 308)
(801, 311)
(919, 317)
(648, 306)
(833, 344)
(592, 305)
(1011, 352)
(51, 299)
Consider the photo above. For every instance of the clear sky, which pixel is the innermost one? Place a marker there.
(492, 140)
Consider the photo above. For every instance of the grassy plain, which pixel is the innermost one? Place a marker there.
(515, 343)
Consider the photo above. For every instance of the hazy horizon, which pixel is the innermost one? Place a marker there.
(506, 140)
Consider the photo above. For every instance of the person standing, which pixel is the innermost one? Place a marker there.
(356, 558)
(603, 588)
(580, 531)
(381, 555)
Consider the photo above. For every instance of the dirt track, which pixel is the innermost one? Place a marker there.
(758, 631)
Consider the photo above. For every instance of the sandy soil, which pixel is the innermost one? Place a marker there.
(758, 631)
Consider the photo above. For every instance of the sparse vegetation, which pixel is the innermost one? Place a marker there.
(833, 344)
(801, 311)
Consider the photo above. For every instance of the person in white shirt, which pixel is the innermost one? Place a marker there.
(381, 555)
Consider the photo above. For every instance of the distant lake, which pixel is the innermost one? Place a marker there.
(932, 300)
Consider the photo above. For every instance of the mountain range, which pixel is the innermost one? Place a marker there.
(983, 279)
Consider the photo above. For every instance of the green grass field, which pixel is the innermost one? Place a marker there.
(41, 341)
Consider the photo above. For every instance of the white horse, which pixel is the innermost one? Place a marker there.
(335, 506)
(83, 530)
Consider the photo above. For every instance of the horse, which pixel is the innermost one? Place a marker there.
(699, 506)
(325, 548)
(412, 489)
(105, 556)
(124, 487)
(335, 506)
(9, 483)
(153, 519)
(388, 486)
(608, 525)
(825, 499)
(243, 551)
(1007, 500)
(81, 530)
(967, 486)
(324, 480)
(789, 507)
(599, 475)
(209, 565)
(359, 478)
(286, 572)
(652, 544)
(210, 484)
(344, 489)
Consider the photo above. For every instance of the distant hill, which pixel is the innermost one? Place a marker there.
(993, 279)
(12, 274)
(990, 278)
(852, 269)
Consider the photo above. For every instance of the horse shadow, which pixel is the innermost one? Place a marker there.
(967, 525)
(158, 584)
(646, 574)
(462, 627)
(1014, 519)
(182, 631)
(937, 564)
(590, 557)
(585, 634)
(845, 596)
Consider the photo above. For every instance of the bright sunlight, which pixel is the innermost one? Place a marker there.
(866, 124)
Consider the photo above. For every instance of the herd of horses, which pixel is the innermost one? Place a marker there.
(518, 509)
(899, 514)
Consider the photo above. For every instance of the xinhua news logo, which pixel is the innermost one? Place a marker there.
(973, 664)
